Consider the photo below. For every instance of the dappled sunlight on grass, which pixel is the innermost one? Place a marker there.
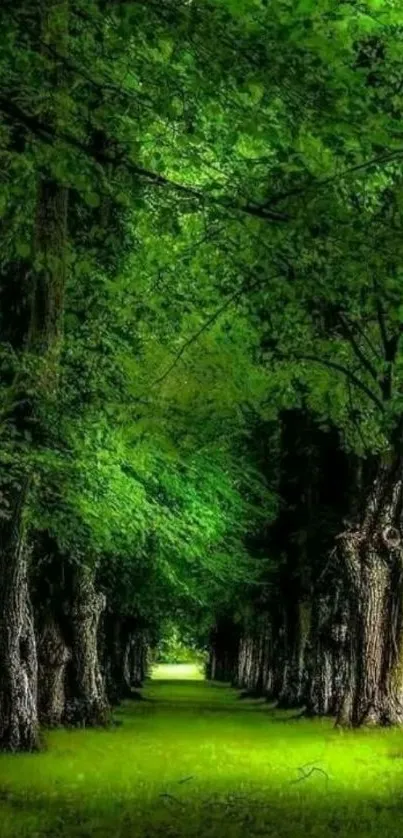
(195, 760)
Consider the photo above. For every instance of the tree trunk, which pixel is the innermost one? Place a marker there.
(211, 665)
(267, 660)
(371, 628)
(224, 654)
(245, 674)
(18, 658)
(116, 640)
(241, 664)
(86, 702)
(277, 644)
(132, 664)
(319, 693)
(125, 657)
(297, 629)
(378, 684)
(343, 666)
(373, 556)
(135, 659)
(292, 694)
(53, 656)
(264, 658)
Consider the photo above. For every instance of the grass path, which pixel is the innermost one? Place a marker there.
(196, 760)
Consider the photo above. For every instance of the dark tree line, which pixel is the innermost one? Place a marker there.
(302, 642)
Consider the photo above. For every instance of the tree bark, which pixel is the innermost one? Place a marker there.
(18, 657)
(112, 657)
(342, 650)
(297, 631)
(53, 656)
(86, 702)
(268, 661)
(135, 659)
(373, 555)
(319, 693)
(211, 665)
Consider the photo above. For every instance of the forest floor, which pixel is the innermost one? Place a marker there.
(195, 759)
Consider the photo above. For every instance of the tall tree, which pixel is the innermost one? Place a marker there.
(38, 333)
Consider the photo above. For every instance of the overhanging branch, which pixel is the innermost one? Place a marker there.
(334, 365)
(300, 191)
(47, 134)
(364, 361)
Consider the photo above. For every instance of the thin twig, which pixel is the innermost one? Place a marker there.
(306, 775)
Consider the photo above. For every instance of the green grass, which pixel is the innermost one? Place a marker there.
(195, 760)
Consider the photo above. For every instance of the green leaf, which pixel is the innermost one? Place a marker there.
(92, 199)
(23, 249)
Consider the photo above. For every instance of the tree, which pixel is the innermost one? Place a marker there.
(37, 332)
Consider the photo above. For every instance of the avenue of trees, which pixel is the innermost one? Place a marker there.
(201, 310)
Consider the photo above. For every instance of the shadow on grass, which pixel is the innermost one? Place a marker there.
(193, 696)
(252, 695)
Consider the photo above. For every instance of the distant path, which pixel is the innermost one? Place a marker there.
(177, 672)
